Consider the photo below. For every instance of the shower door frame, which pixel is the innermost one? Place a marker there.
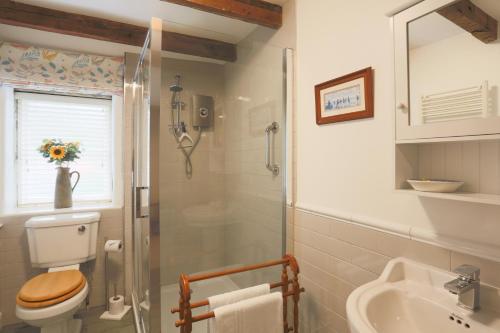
(151, 49)
(287, 150)
(155, 73)
(131, 93)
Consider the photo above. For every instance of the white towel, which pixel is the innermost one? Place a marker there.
(234, 297)
(261, 314)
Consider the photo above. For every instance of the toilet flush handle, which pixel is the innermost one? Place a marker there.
(81, 228)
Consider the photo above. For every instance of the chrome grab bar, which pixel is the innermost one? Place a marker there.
(274, 168)
(138, 202)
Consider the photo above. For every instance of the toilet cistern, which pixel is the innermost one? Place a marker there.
(466, 286)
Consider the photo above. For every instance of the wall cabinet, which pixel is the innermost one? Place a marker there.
(447, 110)
(447, 79)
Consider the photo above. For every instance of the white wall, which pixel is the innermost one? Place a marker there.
(349, 167)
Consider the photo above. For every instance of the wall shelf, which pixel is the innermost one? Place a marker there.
(476, 163)
(452, 139)
(482, 198)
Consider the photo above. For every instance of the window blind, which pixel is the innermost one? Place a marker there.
(86, 120)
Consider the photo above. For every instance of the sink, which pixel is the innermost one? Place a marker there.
(409, 297)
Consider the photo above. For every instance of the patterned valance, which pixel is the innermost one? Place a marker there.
(32, 66)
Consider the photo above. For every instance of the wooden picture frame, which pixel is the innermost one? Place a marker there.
(345, 98)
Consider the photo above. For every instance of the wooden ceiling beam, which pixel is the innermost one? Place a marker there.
(252, 11)
(28, 16)
(472, 19)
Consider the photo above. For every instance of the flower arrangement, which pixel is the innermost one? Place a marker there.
(58, 152)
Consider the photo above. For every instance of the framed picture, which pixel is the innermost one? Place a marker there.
(345, 98)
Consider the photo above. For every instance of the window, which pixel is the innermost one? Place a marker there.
(87, 120)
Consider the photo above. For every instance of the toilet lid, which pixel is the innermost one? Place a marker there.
(54, 301)
(50, 287)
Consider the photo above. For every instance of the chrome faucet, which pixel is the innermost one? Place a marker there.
(466, 286)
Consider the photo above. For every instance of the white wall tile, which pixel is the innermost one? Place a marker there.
(337, 256)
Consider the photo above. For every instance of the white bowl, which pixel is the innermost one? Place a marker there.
(442, 186)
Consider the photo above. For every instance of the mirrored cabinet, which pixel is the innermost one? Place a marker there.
(447, 58)
(447, 69)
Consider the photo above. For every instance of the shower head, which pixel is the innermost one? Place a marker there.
(177, 86)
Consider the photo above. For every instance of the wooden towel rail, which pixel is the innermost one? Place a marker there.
(186, 318)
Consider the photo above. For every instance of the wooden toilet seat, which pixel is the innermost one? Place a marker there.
(50, 288)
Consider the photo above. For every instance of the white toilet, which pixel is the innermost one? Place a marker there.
(60, 243)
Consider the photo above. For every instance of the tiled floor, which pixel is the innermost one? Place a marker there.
(91, 324)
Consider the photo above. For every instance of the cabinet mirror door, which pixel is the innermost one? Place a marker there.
(447, 69)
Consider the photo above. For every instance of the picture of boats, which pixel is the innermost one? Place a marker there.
(343, 98)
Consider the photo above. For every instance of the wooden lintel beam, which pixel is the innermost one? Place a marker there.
(23, 15)
(472, 19)
(252, 11)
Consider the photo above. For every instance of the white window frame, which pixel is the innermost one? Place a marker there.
(8, 165)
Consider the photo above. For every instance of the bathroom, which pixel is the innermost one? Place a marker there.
(205, 148)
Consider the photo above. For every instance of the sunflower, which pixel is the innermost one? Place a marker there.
(57, 152)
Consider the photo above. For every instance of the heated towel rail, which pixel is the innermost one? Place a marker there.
(456, 105)
(186, 318)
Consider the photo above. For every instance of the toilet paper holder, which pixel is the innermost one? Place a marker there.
(119, 308)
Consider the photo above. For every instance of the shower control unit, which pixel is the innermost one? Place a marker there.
(202, 118)
(203, 111)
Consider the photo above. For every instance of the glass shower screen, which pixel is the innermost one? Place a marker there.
(209, 172)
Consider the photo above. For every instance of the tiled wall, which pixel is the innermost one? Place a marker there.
(335, 257)
(15, 265)
(192, 235)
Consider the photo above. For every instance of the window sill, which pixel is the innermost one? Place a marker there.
(78, 208)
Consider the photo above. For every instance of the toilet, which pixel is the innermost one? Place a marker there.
(59, 243)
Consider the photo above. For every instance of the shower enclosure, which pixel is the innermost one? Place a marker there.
(209, 172)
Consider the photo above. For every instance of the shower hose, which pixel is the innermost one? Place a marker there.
(188, 165)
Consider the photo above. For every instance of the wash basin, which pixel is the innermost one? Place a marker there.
(409, 297)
